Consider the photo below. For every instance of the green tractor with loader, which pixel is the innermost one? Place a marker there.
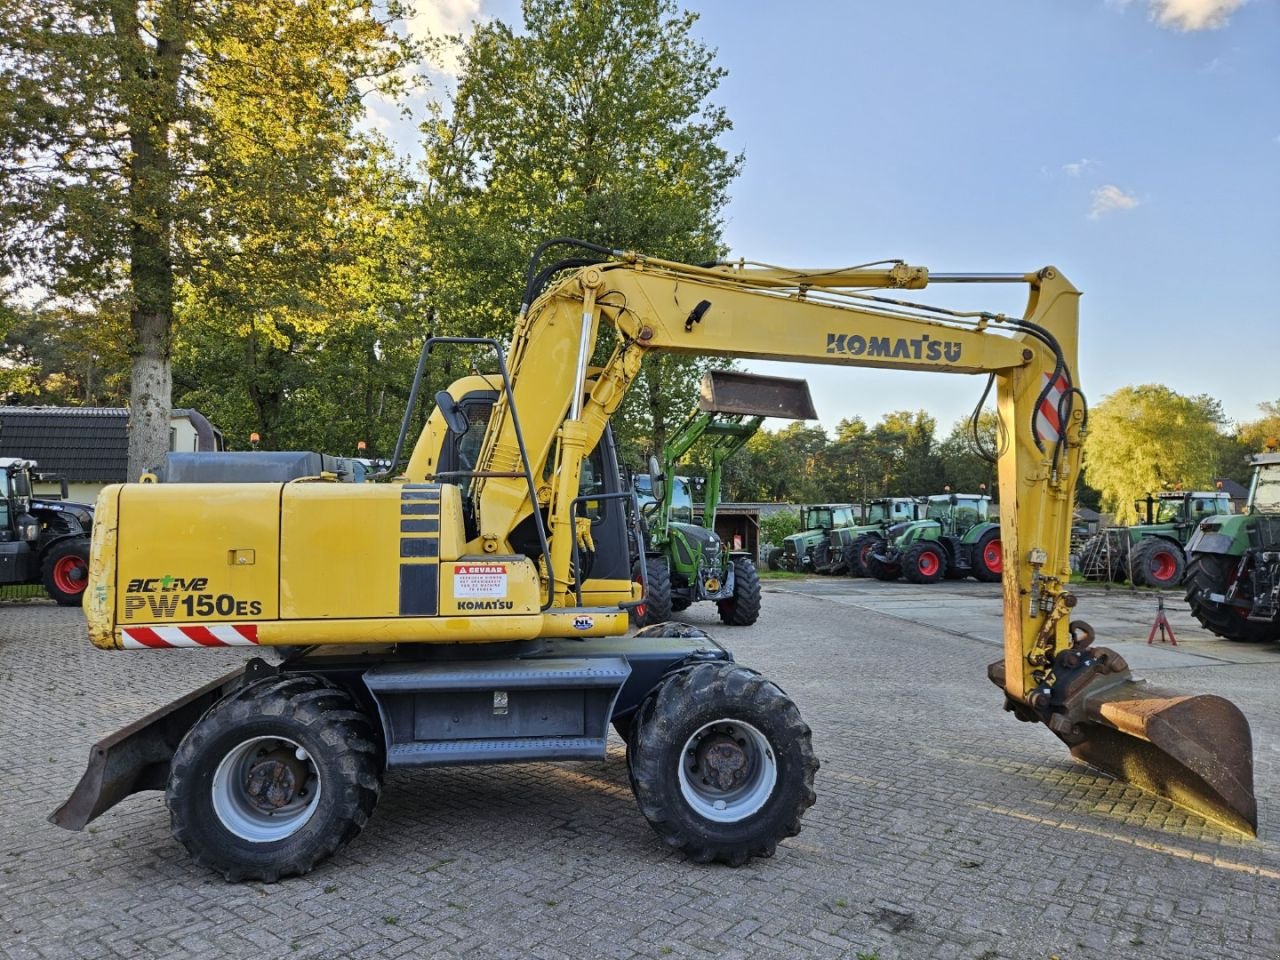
(815, 548)
(878, 516)
(1233, 569)
(1152, 554)
(957, 538)
(687, 562)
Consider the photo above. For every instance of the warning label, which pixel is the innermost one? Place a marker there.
(480, 580)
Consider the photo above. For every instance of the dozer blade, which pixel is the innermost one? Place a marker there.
(752, 395)
(1196, 751)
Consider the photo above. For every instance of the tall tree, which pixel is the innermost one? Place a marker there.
(115, 129)
(595, 123)
(1148, 438)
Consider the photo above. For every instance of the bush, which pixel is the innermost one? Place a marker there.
(778, 526)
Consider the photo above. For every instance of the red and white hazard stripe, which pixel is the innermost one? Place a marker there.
(213, 635)
(1047, 424)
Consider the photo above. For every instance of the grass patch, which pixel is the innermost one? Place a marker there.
(781, 575)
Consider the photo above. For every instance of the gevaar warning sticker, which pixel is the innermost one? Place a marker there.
(480, 580)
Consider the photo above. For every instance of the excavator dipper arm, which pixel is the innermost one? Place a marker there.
(1194, 750)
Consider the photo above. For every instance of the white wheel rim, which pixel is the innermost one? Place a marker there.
(247, 807)
(727, 799)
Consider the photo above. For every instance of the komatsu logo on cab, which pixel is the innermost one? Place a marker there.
(899, 348)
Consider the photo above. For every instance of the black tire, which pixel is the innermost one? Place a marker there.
(743, 608)
(754, 730)
(233, 833)
(657, 605)
(774, 560)
(1211, 573)
(1156, 562)
(65, 571)
(881, 570)
(924, 562)
(858, 551)
(987, 559)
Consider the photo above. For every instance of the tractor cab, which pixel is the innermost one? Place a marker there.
(956, 513)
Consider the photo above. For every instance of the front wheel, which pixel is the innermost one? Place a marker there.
(743, 608)
(925, 562)
(774, 560)
(275, 778)
(657, 602)
(721, 763)
(988, 557)
(65, 571)
(858, 553)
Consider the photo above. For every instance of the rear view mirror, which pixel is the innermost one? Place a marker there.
(452, 413)
(657, 480)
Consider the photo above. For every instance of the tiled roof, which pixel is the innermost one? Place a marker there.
(80, 444)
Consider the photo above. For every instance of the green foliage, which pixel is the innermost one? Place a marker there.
(594, 123)
(1263, 433)
(776, 527)
(1148, 438)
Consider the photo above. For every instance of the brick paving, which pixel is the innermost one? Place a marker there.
(943, 829)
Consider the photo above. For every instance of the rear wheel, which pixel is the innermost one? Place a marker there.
(1209, 573)
(274, 779)
(774, 560)
(988, 557)
(858, 553)
(924, 562)
(65, 571)
(743, 608)
(721, 763)
(657, 603)
(1157, 563)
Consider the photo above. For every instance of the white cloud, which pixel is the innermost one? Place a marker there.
(1078, 167)
(1110, 198)
(437, 18)
(1189, 15)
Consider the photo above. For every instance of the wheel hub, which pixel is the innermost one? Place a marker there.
(273, 780)
(722, 762)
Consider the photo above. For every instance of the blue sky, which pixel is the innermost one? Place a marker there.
(1135, 144)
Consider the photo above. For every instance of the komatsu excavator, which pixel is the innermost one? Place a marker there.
(474, 611)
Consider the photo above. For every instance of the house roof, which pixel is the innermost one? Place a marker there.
(79, 444)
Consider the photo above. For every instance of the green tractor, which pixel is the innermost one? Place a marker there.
(813, 549)
(857, 542)
(957, 538)
(1233, 577)
(1152, 554)
(685, 562)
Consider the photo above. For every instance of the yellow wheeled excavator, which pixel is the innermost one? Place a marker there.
(474, 611)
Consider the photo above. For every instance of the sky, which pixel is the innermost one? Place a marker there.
(1133, 144)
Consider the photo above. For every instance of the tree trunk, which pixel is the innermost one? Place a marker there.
(149, 89)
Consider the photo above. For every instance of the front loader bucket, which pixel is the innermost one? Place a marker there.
(752, 395)
(1196, 751)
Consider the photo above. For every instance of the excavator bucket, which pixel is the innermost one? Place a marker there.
(1196, 751)
(752, 395)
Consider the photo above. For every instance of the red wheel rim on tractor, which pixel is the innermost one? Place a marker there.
(69, 574)
(1165, 568)
(927, 563)
(992, 558)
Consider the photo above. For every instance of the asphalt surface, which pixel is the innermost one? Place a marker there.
(943, 828)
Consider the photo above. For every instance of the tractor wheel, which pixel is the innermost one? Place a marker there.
(1157, 563)
(275, 778)
(1210, 573)
(774, 560)
(882, 570)
(657, 605)
(65, 571)
(721, 763)
(988, 558)
(743, 608)
(924, 562)
(859, 551)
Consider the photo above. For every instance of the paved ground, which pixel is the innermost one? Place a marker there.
(943, 827)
